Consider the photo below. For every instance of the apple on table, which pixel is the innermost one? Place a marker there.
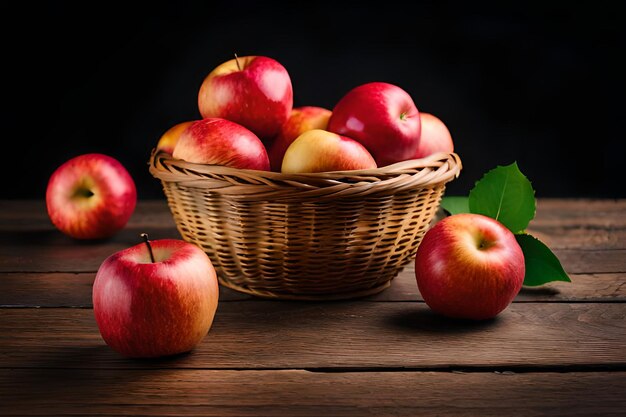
(254, 91)
(469, 266)
(219, 141)
(156, 298)
(318, 150)
(90, 196)
(382, 117)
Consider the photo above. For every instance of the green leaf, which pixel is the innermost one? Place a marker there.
(455, 205)
(505, 194)
(541, 264)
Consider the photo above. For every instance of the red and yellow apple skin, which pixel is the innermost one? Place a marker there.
(318, 150)
(218, 141)
(301, 119)
(254, 91)
(91, 196)
(149, 309)
(469, 266)
(382, 117)
(435, 137)
(168, 140)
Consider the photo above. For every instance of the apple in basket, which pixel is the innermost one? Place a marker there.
(168, 140)
(219, 141)
(90, 196)
(156, 298)
(301, 119)
(435, 137)
(318, 150)
(469, 266)
(382, 117)
(254, 91)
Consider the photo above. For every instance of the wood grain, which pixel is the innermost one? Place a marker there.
(62, 290)
(32, 215)
(151, 392)
(382, 355)
(74, 290)
(564, 211)
(279, 335)
(39, 252)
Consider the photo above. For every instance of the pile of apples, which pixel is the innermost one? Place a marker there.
(249, 122)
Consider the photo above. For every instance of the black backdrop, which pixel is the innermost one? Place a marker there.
(541, 84)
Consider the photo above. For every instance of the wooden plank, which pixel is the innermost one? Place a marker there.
(585, 261)
(74, 290)
(153, 392)
(584, 287)
(282, 335)
(38, 251)
(154, 212)
(563, 224)
(62, 290)
(567, 212)
(50, 251)
(580, 237)
(32, 215)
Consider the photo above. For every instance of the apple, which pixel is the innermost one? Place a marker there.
(318, 150)
(301, 119)
(469, 266)
(218, 141)
(155, 299)
(382, 117)
(254, 91)
(435, 137)
(90, 196)
(168, 140)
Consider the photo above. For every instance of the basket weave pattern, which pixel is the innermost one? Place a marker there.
(306, 236)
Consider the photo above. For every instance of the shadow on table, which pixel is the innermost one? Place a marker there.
(83, 375)
(538, 291)
(424, 320)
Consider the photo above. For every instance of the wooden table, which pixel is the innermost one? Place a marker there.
(557, 350)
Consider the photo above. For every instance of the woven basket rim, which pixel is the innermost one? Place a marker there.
(435, 169)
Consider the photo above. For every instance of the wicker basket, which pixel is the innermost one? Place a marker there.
(324, 236)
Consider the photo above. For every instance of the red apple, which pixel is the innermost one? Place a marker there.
(469, 266)
(91, 196)
(435, 137)
(254, 91)
(156, 301)
(382, 117)
(218, 141)
(318, 150)
(168, 140)
(301, 119)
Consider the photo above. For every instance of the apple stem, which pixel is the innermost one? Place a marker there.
(144, 236)
(237, 61)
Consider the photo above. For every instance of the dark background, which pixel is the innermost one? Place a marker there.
(540, 84)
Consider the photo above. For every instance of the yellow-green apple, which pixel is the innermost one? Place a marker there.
(301, 119)
(435, 137)
(155, 299)
(168, 140)
(319, 150)
(219, 141)
(90, 196)
(469, 266)
(382, 117)
(254, 91)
